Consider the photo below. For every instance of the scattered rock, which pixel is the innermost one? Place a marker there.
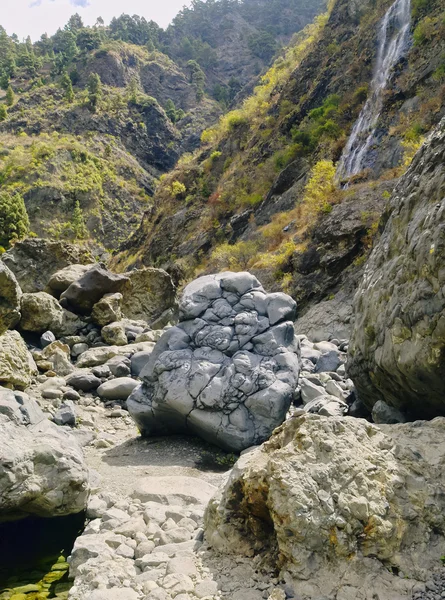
(383, 413)
(47, 338)
(107, 310)
(84, 381)
(117, 389)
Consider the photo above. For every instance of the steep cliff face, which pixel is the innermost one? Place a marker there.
(397, 353)
(251, 198)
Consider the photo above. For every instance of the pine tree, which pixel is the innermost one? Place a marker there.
(133, 90)
(67, 85)
(94, 91)
(14, 221)
(3, 112)
(10, 96)
(78, 222)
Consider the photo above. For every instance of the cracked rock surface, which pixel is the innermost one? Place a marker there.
(228, 371)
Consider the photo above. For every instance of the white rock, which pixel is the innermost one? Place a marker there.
(174, 490)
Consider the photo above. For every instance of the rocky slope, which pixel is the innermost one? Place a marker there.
(250, 190)
(152, 105)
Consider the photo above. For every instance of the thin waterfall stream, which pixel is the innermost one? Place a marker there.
(393, 42)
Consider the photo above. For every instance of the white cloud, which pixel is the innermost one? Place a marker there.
(34, 17)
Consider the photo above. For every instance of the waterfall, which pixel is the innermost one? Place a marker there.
(393, 42)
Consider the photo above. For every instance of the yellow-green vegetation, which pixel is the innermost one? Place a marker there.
(177, 188)
(67, 181)
(274, 244)
(256, 107)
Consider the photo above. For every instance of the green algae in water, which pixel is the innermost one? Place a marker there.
(33, 556)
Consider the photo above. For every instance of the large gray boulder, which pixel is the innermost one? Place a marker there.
(10, 294)
(33, 261)
(84, 293)
(148, 294)
(346, 506)
(228, 371)
(397, 349)
(42, 470)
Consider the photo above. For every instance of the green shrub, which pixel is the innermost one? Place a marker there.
(177, 188)
(424, 31)
(14, 221)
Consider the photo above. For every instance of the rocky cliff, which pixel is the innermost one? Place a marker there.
(398, 342)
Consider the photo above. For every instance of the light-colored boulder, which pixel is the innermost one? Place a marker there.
(117, 389)
(99, 356)
(17, 367)
(107, 310)
(342, 501)
(224, 373)
(58, 355)
(42, 312)
(10, 294)
(42, 470)
(148, 293)
(114, 334)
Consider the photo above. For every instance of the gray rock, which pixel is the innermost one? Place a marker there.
(66, 414)
(329, 361)
(396, 353)
(58, 355)
(84, 293)
(310, 390)
(43, 461)
(101, 371)
(84, 381)
(79, 349)
(138, 362)
(10, 295)
(61, 280)
(118, 364)
(224, 372)
(47, 338)
(71, 395)
(117, 389)
(383, 413)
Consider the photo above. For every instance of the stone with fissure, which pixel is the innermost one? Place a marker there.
(225, 372)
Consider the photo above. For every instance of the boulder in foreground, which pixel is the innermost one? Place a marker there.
(339, 503)
(228, 371)
(42, 470)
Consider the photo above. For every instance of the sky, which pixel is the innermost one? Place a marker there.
(34, 17)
